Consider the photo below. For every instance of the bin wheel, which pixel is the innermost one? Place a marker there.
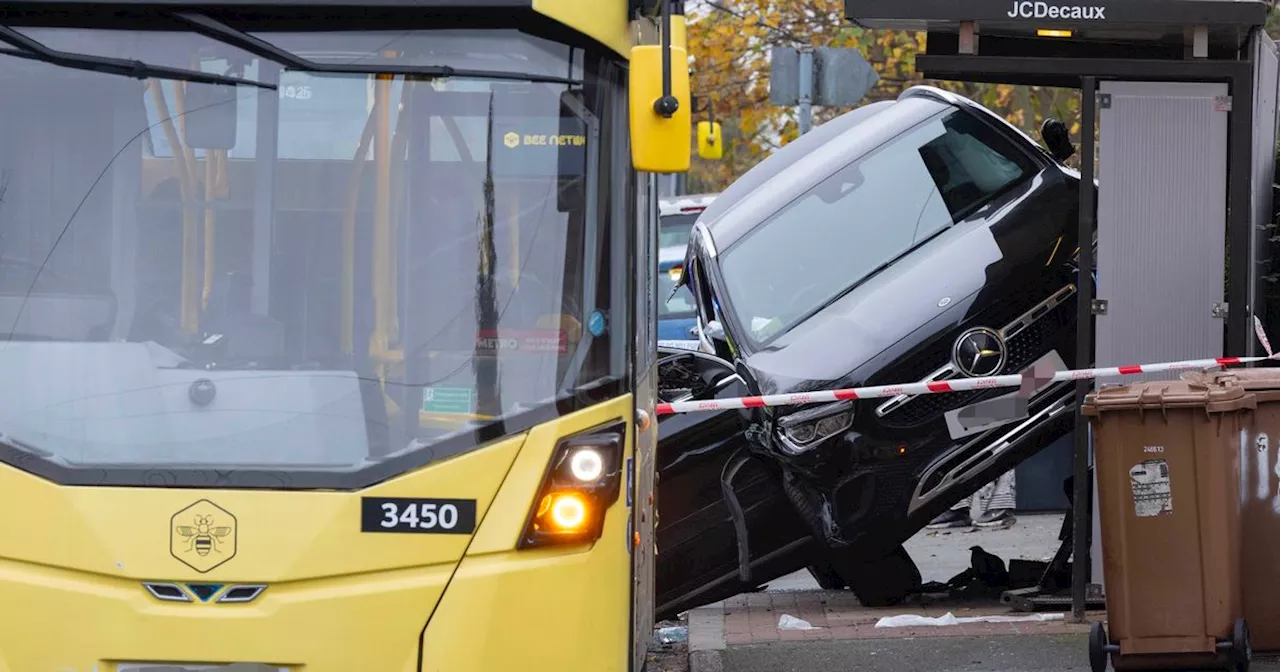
(1241, 647)
(1098, 648)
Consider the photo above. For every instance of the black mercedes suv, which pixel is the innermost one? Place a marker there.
(919, 239)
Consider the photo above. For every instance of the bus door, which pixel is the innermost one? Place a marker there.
(644, 540)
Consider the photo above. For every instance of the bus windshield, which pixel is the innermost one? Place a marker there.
(350, 274)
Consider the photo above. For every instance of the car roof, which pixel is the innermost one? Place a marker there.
(771, 184)
(675, 205)
(788, 155)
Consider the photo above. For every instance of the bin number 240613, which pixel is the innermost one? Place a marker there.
(422, 516)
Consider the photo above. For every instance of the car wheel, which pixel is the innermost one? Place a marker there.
(826, 576)
(885, 582)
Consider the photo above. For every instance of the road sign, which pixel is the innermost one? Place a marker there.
(840, 76)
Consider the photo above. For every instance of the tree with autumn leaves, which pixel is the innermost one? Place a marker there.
(729, 43)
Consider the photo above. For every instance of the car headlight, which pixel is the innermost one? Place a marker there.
(803, 430)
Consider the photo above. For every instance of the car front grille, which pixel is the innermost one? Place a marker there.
(1026, 338)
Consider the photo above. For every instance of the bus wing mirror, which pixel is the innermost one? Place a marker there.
(710, 144)
(661, 138)
(210, 116)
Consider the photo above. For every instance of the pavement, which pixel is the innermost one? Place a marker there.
(1039, 653)
(744, 633)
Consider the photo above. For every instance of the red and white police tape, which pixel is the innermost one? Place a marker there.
(958, 385)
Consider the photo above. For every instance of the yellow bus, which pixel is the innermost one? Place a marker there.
(327, 332)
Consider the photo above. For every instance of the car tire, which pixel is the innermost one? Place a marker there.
(885, 582)
(827, 576)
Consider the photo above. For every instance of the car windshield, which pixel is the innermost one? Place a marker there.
(867, 214)
(346, 269)
(674, 230)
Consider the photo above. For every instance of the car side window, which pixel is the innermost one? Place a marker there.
(972, 163)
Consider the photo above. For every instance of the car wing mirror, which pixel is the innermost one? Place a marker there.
(715, 330)
(1057, 139)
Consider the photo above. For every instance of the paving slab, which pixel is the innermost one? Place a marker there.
(833, 615)
(977, 653)
(744, 628)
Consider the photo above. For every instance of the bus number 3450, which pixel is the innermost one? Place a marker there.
(403, 514)
(446, 517)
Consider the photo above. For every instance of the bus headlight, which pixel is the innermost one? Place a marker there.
(803, 430)
(583, 480)
(586, 464)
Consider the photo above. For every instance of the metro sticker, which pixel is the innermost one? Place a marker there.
(527, 340)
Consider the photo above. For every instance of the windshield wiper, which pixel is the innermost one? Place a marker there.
(217, 30)
(38, 51)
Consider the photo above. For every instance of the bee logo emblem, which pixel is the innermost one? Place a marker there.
(511, 140)
(202, 536)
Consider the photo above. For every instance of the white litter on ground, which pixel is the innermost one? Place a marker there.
(789, 622)
(912, 620)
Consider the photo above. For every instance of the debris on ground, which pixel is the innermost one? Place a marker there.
(669, 647)
(912, 620)
(789, 622)
(671, 634)
(986, 578)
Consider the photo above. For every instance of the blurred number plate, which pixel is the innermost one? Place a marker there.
(197, 667)
(423, 516)
(999, 411)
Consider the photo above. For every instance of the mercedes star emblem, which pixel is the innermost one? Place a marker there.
(978, 353)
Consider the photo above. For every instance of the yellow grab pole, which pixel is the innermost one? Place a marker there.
(383, 308)
(189, 316)
(210, 188)
(399, 141)
(349, 235)
(190, 245)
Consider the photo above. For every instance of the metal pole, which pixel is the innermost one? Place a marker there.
(1239, 337)
(806, 89)
(1081, 523)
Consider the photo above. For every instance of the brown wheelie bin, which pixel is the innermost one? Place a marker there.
(1167, 460)
(1260, 515)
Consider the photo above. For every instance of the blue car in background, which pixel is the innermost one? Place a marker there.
(677, 214)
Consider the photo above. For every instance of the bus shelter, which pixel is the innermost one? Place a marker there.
(1178, 128)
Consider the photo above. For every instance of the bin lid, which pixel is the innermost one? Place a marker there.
(1222, 396)
(1258, 379)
